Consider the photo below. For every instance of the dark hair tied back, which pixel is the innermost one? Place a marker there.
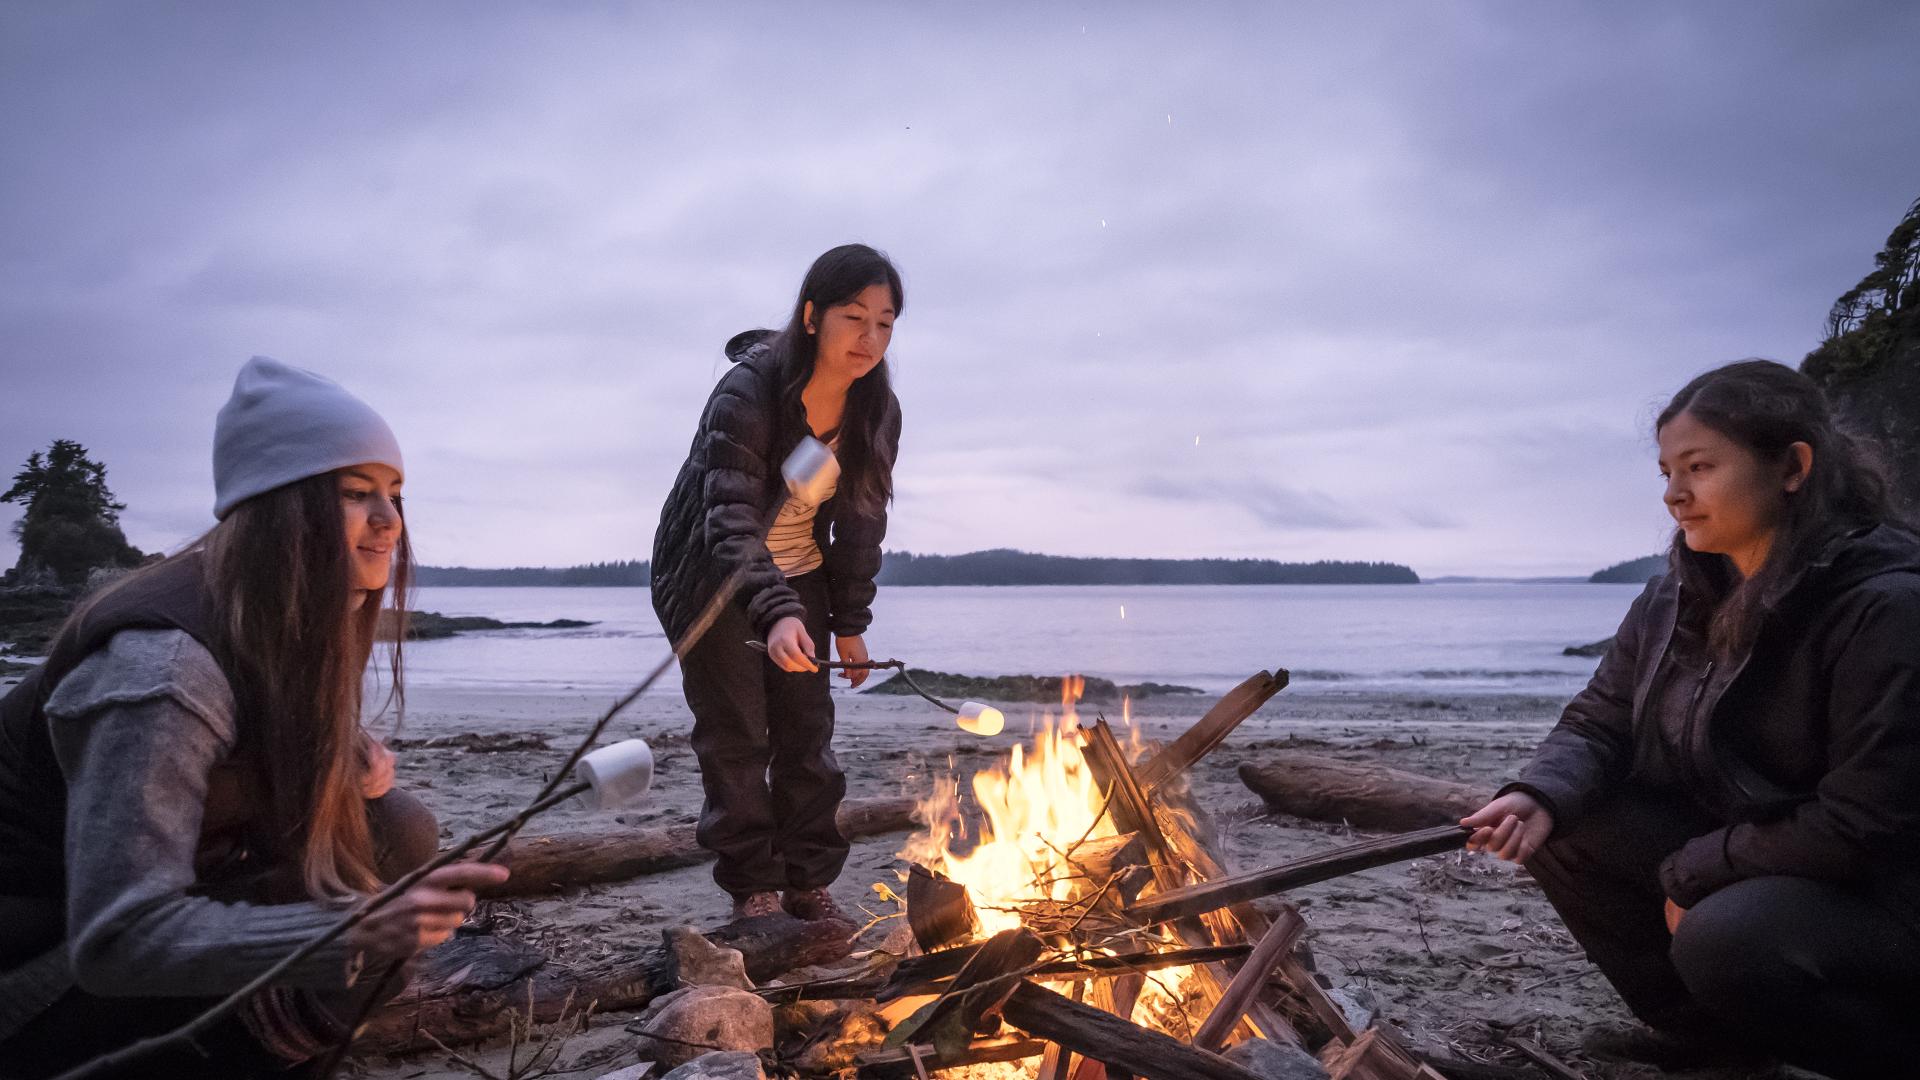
(835, 278)
(1766, 407)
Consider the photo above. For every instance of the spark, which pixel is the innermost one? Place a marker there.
(1196, 440)
(1123, 611)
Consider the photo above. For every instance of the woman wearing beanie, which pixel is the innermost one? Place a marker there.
(763, 723)
(1726, 817)
(186, 792)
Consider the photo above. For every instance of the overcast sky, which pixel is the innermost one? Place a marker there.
(1374, 281)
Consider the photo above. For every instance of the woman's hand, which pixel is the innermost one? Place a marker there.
(1512, 826)
(425, 915)
(853, 650)
(789, 647)
(376, 774)
(1674, 914)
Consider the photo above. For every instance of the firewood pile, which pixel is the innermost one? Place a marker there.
(1145, 909)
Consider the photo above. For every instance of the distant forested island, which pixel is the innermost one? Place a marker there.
(997, 567)
(1005, 567)
(1631, 572)
(630, 572)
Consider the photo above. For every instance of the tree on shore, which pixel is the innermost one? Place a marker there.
(72, 523)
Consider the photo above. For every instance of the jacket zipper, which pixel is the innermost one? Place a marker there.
(1687, 748)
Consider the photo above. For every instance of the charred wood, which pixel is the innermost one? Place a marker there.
(1102, 1036)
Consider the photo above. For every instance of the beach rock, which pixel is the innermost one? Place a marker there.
(1358, 1005)
(720, 1065)
(692, 960)
(1594, 648)
(1042, 688)
(691, 1021)
(1275, 1061)
(632, 1072)
(432, 626)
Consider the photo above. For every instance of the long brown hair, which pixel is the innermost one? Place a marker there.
(836, 277)
(294, 637)
(1766, 407)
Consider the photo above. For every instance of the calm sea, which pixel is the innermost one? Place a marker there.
(1448, 638)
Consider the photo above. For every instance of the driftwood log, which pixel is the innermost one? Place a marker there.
(544, 864)
(1364, 796)
(1100, 1035)
(471, 987)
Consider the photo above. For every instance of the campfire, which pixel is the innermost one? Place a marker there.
(1074, 922)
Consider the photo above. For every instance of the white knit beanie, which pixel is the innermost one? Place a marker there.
(284, 424)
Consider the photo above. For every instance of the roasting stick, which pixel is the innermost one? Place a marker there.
(981, 719)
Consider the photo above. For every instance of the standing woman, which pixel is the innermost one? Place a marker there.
(763, 724)
(1728, 816)
(186, 792)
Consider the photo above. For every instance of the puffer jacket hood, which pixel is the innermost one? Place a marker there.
(748, 344)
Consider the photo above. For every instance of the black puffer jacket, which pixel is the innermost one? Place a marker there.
(715, 518)
(1807, 748)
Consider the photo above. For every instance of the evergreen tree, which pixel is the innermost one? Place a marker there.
(72, 523)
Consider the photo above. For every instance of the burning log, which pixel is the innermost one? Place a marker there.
(938, 909)
(1249, 981)
(897, 1064)
(1364, 796)
(1101, 1036)
(544, 864)
(1133, 810)
(1227, 713)
(978, 990)
(929, 973)
(1212, 895)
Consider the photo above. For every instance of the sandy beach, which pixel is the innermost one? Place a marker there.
(1449, 947)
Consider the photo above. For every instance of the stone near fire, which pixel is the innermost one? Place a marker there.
(692, 1021)
(1275, 1061)
(720, 1065)
(632, 1072)
(691, 960)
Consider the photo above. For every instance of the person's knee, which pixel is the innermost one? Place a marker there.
(1733, 952)
(405, 833)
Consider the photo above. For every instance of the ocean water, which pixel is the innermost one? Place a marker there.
(1448, 638)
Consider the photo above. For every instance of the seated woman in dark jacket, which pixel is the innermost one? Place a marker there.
(763, 724)
(1728, 816)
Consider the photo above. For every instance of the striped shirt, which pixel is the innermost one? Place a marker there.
(790, 541)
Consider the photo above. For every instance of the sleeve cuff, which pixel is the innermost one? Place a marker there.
(1698, 870)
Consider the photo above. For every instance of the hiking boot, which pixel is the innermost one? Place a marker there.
(813, 905)
(753, 905)
(1665, 1049)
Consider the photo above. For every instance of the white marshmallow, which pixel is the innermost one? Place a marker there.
(980, 719)
(621, 775)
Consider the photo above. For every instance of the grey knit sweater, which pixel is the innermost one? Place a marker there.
(137, 727)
